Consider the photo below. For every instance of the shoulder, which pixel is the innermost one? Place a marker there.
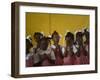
(31, 50)
(28, 56)
(52, 46)
(63, 49)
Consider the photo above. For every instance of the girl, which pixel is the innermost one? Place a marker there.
(37, 37)
(46, 54)
(81, 57)
(69, 57)
(86, 43)
(57, 48)
(29, 55)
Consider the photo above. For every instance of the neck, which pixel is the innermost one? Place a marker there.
(56, 44)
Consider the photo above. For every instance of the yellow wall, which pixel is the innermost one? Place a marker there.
(47, 23)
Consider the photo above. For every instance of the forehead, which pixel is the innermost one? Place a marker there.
(44, 41)
(78, 36)
(67, 38)
(55, 35)
(38, 35)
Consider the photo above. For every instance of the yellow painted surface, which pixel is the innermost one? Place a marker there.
(47, 23)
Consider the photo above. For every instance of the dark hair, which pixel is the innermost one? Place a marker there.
(28, 45)
(45, 38)
(69, 34)
(44, 46)
(55, 33)
(80, 34)
(37, 33)
(86, 33)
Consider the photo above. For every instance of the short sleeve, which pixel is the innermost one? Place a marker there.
(52, 55)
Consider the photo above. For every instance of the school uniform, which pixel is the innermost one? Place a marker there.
(29, 60)
(76, 54)
(82, 58)
(86, 46)
(77, 60)
(68, 59)
(58, 54)
(46, 56)
(36, 58)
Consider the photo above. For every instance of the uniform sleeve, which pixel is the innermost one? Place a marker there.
(63, 50)
(36, 58)
(74, 49)
(31, 50)
(52, 55)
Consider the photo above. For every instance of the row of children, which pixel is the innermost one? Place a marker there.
(75, 52)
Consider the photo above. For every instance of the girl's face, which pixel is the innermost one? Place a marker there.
(44, 44)
(68, 41)
(37, 38)
(56, 38)
(79, 39)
